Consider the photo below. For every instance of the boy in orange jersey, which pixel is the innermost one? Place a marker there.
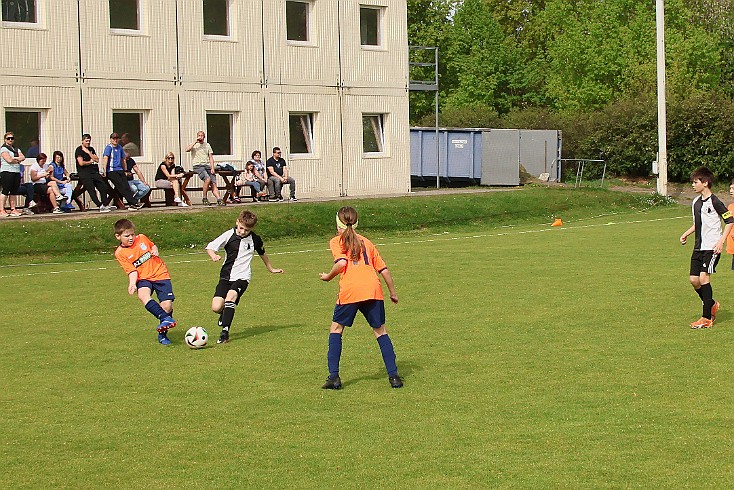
(146, 271)
(358, 262)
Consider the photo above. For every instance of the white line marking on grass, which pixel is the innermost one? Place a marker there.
(440, 238)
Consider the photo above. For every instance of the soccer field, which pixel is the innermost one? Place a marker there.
(532, 357)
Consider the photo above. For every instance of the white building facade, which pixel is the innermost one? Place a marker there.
(325, 80)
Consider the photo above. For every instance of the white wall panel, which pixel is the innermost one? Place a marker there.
(237, 58)
(48, 48)
(385, 65)
(148, 54)
(389, 172)
(59, 105)
(248, 119)
(318, 174)
(159, 103)
(293, 63)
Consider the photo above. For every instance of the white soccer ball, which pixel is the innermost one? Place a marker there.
(196, 337)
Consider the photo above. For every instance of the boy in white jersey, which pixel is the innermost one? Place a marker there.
(240, 244)
(708, 211)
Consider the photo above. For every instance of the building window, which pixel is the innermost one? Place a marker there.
(26, 126)
(124, 14)
(300, 127)
(219, 130)
(19, 11)
(297, 20)
(129, 125)
(373, 133)
(369, 25)
(216, 17)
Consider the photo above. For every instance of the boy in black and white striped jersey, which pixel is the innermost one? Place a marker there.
(708, 211)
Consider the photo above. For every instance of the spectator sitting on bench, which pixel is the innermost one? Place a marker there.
(26, 189)
(135, 178)
(249, 178)
(41, 173)
(167, 177)
(61, 177)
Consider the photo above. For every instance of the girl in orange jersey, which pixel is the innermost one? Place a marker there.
(358, 262)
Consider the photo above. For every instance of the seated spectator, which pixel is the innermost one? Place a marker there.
(278, 176)
(169, 177)
(135, 179)
(41, 173)
(26, 189)
(63, 181)
(261, 173)
(249, 178)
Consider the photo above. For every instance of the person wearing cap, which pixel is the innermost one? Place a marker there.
(114, 162)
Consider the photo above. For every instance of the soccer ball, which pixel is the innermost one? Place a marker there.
(196, 337)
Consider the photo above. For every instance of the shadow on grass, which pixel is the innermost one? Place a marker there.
(405, 370)
(251, 332)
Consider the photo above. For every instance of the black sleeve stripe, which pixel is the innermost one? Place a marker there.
(383, 269)
(340, 258)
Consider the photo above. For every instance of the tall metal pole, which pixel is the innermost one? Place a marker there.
(662, 186)
(438, 146)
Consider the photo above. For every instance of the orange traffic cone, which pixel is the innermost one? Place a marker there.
(558, 222)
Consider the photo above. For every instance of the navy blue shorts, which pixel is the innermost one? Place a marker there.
(373, 311)
(224, 286)
(163, 289)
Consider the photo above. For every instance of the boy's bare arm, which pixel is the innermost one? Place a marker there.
(720, 244)
(390, 285)
(685, 234)
(133, 281)
(213, 255)
(266, 261)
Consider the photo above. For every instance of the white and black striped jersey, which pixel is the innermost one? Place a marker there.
(240, 251)
(707, 216)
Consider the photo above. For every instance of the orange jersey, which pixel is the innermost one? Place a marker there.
(358, 281)
(730, 238)
(139, 257)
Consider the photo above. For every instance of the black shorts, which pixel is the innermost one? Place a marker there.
(10, 181)
(704, 261)
(226, 286)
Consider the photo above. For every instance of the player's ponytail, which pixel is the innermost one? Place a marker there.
(347, 219)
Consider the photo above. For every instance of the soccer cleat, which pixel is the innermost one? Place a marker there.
(395, 381)
(166, 324)
(223, 337)
(334, 383)
(163, 339)
(702, 323)
(714, 310)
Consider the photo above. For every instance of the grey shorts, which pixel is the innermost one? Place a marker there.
(204, 172)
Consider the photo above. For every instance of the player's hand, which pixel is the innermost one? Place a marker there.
(683, 239)
(394, 298)
(718, 247)
(324, 276)
(131, 289)
(276, 271)
(217, 258)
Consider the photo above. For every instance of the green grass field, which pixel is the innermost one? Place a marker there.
(532, 357)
